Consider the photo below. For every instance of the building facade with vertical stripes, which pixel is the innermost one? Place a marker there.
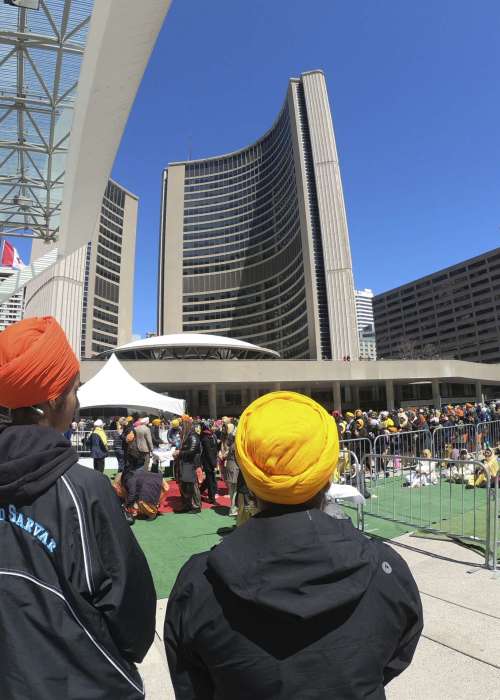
(90, 292)
(453, 313)
(254, 244)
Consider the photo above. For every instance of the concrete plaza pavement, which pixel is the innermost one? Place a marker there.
(458, 656)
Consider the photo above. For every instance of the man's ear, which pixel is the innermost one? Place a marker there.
(55, 404)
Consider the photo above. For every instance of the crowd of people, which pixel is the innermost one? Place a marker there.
(275, 610)
(410, 440)
(198, 453)
(371, 424)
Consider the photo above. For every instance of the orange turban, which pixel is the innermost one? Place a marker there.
(287, 446)
(36, 362)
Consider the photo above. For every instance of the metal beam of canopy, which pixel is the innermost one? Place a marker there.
(66, 88)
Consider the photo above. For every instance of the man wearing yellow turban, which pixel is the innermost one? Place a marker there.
(287, 446)
(294, 603)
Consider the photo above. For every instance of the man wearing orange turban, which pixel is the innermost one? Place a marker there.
(72, 575)
(37, 363)
(294, 603)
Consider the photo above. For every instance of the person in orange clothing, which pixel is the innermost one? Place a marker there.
(77, 594)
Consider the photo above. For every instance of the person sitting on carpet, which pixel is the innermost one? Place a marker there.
(462, 469)
(141, 492)
(293, 603)
(480, 477)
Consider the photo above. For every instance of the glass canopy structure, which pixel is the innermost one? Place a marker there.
(66, 89)
(40, 59)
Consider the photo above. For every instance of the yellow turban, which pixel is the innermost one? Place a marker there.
(175, 423)
(287, 447)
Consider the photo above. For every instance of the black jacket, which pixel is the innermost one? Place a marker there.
(292, 605)
(97, 448)
(155, 435)
(190, 457)
(77, 599)
(209, 449)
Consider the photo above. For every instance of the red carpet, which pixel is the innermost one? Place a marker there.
(172, 501)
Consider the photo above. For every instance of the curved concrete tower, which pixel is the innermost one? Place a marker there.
(254, 244)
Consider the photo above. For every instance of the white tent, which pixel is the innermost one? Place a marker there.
(113, 386)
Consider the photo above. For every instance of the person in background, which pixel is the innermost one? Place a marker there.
(118, 444)
(155, 427)
(189, 458)
(174, 433)
(209, 449)
(480, 477)
(294, 603)
(245, 501)
(144, 441)
(98, 445)
(71, 431)
(134, 459)
(78, 600)
(142, 493)
(230, 467)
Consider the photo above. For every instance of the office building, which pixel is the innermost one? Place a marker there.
(365, 324)
(108, 294)
(90, 292)
(452, 313)
(367, 344)
(12, 309)
(254, 244)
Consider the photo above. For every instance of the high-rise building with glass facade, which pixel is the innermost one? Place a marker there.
(254, 244)
(108, 300)
(90, 292)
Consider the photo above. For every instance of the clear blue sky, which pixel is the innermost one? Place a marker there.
(415, 100)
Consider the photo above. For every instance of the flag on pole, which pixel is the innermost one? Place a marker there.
(10, 257)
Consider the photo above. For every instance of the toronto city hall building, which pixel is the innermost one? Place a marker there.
(263, 239)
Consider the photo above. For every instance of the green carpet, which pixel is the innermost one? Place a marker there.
(171, 539)
(447, 507)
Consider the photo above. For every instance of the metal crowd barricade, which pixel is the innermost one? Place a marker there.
(360, 446)
(488, 435)
(404, 444)
(351, 472)
(79, 440)
(493, 523)
(460, 436)
(452, 497)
